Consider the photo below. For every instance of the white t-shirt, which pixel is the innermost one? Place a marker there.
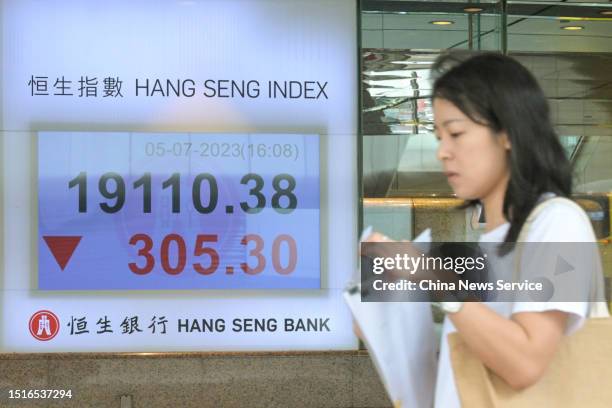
(560, 222)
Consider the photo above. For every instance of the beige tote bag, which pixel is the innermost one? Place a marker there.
(580, 375)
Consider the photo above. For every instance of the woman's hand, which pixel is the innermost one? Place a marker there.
(376, 237)
(389, 251)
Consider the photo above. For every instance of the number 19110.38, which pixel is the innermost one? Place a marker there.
(112, 187)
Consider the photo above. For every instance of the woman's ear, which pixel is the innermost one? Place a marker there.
(505, 140)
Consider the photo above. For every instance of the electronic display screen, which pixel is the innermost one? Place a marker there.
(131, 211)
(177, 171)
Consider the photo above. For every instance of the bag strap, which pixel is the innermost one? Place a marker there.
(596, 289)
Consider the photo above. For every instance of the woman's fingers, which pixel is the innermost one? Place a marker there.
(377, 237)
(373, 250)
(393, 250)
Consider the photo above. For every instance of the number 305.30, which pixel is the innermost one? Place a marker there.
(176, 244)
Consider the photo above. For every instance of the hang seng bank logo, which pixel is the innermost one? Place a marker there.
(44, 325)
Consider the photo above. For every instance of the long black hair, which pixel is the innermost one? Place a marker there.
(496, 91)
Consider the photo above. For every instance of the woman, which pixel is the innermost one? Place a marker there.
(497, 147)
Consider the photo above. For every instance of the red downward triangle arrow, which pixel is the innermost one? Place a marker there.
(62, 248)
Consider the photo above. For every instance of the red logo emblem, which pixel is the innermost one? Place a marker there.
(44, 325)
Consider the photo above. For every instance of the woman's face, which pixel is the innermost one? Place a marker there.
(474, 159)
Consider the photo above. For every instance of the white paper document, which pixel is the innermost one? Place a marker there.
(402, 343)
